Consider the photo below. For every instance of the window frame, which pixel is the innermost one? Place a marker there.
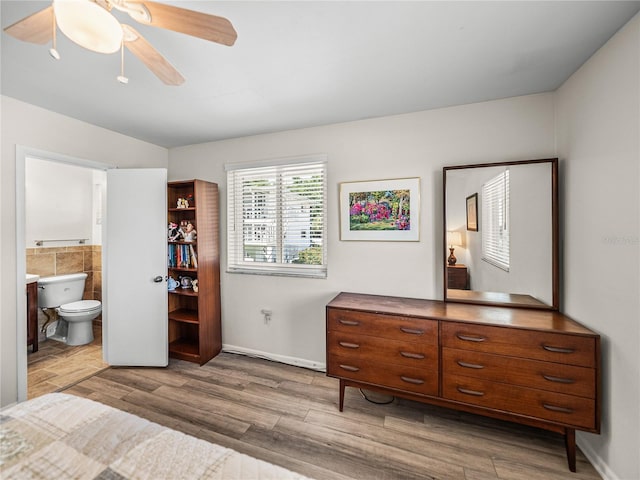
(496, 223)
(236, 242)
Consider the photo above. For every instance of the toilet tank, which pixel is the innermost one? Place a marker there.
(60, 289)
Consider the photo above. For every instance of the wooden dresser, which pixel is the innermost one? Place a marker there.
(534, 367)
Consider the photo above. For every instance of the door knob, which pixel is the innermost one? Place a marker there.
(157, 279)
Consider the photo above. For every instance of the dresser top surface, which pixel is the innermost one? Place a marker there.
(543, 320)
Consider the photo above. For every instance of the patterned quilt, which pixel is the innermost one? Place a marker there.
(61, 436)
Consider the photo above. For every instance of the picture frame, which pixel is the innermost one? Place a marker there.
(472, 212)
(380, 210)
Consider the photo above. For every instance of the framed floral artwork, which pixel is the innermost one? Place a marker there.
(382, 210)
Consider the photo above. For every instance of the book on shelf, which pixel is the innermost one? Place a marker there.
(182, 256)
(194, 257)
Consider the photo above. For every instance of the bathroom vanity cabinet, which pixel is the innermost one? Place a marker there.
(194, 313)
(535, 367)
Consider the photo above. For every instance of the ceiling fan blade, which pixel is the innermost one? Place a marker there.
(36, 28)
(197, 24)
(148, 55)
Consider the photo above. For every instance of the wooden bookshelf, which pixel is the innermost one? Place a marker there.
(194, 317)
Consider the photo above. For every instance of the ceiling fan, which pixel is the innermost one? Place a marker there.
(90, 24)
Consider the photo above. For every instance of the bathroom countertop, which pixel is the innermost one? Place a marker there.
(32, 278)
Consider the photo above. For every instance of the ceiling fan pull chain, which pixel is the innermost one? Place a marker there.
(121, 77)
(53, 50)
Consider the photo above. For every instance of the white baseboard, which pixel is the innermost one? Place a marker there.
(598, 463)
(298, 362)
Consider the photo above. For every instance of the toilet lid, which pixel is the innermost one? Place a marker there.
(81, 306)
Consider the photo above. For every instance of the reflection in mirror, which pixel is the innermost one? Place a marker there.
(501, 234)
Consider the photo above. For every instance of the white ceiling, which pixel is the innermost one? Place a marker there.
(307, 63)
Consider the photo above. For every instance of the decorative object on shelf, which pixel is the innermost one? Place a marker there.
(172, 284)
(189, 233)
(472, 212)
(182, 203)
(186, 282)
(194, 285)
(173, 232)
(454, 239)
(384, 210)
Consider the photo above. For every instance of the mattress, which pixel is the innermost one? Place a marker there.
(61, 436)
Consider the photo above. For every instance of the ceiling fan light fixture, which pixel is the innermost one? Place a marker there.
(88, 24)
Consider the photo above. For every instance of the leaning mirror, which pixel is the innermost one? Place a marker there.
(501, 234)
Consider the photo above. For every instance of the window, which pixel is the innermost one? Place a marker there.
(277, 217)
(495, 221)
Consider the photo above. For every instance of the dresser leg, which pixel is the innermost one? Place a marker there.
(570, 444)
(341, 394)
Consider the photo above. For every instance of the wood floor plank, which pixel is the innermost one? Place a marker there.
(212, 405)
(186, 410)
(373, 452)
(290, 462)
(311, 449)
(460, 454)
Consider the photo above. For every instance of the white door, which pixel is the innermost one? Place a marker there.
(135, 256)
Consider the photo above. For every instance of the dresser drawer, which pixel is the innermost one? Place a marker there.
(551, 406)
(392, 327)
(410, 379)
(552, 377)
(553, 347)
(380, 350)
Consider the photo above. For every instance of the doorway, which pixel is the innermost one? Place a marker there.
(77, 249)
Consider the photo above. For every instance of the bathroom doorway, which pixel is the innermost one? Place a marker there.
(62, 219)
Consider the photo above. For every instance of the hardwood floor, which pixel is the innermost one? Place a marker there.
(289, 416)
(56, 365)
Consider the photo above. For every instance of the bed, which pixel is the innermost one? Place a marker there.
(61, 436)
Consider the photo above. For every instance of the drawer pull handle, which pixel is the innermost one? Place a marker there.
(417, 356)
(469, 365)
(466, 391)
(349, 345)
(549, 348)
(351, 323)
(415, 381)
(558, 379)
(349, 368)
(554, 408)
(412, 331)
(469, 338)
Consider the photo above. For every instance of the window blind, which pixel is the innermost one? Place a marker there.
(495, 221)
(277, 217)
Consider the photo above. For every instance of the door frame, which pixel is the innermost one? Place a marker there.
(22, 153)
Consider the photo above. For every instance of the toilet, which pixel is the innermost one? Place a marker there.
(63, 293)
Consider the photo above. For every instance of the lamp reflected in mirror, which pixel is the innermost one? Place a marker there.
(454, 239)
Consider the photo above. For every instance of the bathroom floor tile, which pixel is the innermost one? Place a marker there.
(56, 365)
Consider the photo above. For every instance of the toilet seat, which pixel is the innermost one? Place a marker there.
(79, 307)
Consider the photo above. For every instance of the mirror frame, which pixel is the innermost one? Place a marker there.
(555, 272)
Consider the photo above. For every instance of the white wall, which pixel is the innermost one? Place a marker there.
(34, 127)
(598, 129)
(61, 202)
(411, 145)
